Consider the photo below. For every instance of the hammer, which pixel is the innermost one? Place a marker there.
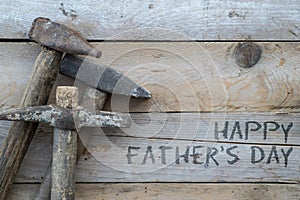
(44, 73)
(66, 118)
(100, 80)
(55, 36)
(45, 114)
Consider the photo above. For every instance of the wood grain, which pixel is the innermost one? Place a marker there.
(16, 64)
(187, 77)
(253, 128)
(147, 167)
(159, 20)
(161, 191)
(111, 151)
(64, 149)
(20, 134)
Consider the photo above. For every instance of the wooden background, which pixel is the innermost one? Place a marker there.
(182, 53)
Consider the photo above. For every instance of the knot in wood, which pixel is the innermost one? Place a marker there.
(247, 54)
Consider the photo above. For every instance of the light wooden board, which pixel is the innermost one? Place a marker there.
(17, 60)
(118, 164)
(161, 191)
(185, 76)
(262, 128)
(159, 20)
(247, 128)
(107, 160)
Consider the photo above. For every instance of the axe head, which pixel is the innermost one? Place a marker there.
(61, 38)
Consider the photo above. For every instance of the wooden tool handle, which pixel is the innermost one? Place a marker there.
(64, 149)
(92, 100)
(20, 134)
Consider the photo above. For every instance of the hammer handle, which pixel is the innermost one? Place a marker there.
(64, 164)
(20, 134)
(92, 100)
(64, 149)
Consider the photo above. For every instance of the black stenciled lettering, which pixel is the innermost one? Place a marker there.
(224, 131)
(266, 128)
(286, 155)
(236, 130)
(286, 131)
(196, 155)
(149, 151)
(185, 156)
(253, 154)
(129, 154)
(163, 154)
(211, 152)
(273, 154)
(247, 128)
(235, 157)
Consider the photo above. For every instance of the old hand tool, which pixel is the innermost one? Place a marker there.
(61, 38)
(101, 77)
(65, 120)
(38, 90)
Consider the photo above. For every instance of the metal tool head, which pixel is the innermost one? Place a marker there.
(61, 38)
(66, 118)
(101, 77)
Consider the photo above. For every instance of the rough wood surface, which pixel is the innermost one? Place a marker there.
(64, 149)
(18, 138)
(258, 128)
(92, 100)
(159, 20)
(161, 191)
(44, 191)
(159, 160)
(182, 76)
(280, 162)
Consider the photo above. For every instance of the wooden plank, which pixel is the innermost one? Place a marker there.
(159, 20)
(254, 128)
(113, 159)
(130, 159)
(160, 191)
(183, 76)
(17, 60)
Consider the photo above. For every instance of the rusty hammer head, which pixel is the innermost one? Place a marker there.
(64, 39)
(61, 38)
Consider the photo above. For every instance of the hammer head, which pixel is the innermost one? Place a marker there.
(65, 118)
(61, 38)
(102, 77)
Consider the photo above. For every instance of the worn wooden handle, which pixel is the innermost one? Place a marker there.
(92, 99)
(64, 149)
(20, 134)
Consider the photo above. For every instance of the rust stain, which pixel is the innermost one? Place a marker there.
(61, 38)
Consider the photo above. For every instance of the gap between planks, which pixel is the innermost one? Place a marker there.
(161, 191)
(159, 20)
